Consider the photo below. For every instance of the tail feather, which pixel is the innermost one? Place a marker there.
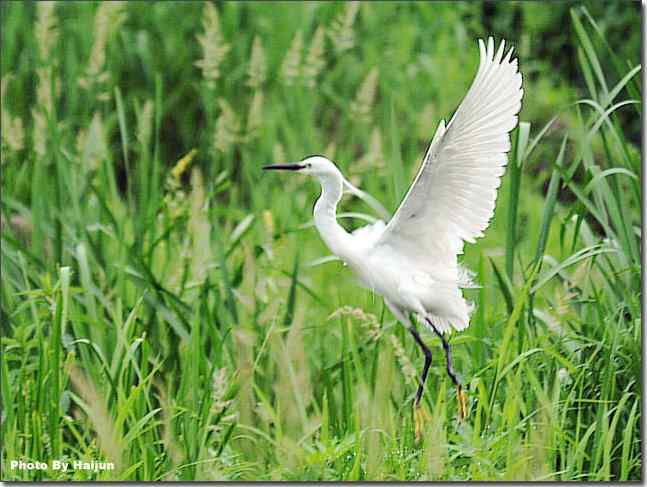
(467, 278)
(447, 324)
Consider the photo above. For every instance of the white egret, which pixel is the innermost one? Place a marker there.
(412, 261)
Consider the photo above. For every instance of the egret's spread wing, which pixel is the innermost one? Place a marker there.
(452, 198)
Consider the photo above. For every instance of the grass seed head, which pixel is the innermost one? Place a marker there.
(408, 370)
(107, 20)
(13, 134)
(46, 29)
(255, 116)
(39, 132)
(219, 388)
(367, 321)
(214, 47)
(227, 128)
(291, 66)
(145, 124)
(314, 61)
(257, 65)
(91, 143)
(341, 32)
(44, 98)
(362, 106)
(108, 437)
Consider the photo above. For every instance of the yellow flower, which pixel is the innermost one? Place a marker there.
(183, 164)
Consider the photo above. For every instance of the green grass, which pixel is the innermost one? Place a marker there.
(159, 311)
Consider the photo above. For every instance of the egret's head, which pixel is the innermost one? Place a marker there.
(313, 165)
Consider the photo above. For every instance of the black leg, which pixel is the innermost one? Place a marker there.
(425, 369)
(462, 403)
(448, 354)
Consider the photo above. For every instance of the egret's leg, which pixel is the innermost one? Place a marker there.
(418, 414)
(425, 368)
(460, 395)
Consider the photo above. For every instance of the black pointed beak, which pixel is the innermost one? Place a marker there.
(284, 167)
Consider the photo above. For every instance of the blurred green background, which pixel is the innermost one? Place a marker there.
(160, 309)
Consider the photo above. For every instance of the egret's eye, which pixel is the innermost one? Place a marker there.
(309, 164)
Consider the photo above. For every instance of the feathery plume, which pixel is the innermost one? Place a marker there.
(13, 134)
(39, 132)
(291, 66)
(108, 438)
(219, 389)
(341, 33)
(257, 65)
(407, 368)
(43, 109)
(46, 29)
(44, 98)
(362, 105)
(91, 144)
(46, 32)
(255, 116)
(214, 47)
(314, 61)
(368, 321)
(375, 151)
(108, 18)
(168, 437)
(145, 124)
(227, 128)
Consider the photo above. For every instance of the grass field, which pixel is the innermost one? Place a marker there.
(160, 309)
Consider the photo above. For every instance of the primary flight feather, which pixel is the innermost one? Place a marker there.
(413, 260)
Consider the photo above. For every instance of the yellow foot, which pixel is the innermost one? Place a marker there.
(462, 403)
(419, 416)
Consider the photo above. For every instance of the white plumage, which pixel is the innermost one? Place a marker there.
(412, 262)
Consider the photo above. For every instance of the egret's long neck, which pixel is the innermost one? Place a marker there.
(332, 233)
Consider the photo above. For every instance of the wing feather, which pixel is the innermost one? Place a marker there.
(452, 198)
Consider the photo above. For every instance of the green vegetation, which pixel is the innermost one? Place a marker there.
(158, 306)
